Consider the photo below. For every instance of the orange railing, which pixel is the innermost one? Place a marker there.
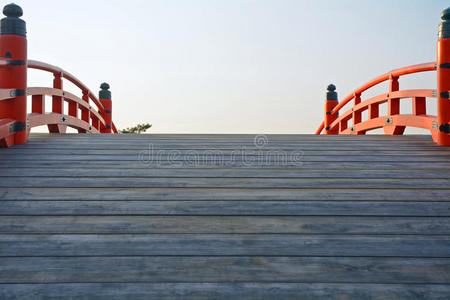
(87, 114)
(394, 123)
(92, 120)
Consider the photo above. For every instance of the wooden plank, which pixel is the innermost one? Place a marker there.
(275, 158)
(223, 244)
(225, 269)
(225, 224)
(224, 208)
(304, 147)
(226, 183)
(210, 194)
(300, 165)
(333, 154)
(245, 291)
(266, 183)
(222, 173)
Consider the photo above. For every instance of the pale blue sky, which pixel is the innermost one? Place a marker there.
(230, 66)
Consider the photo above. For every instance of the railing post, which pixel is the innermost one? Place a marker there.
(330, 103)
(393, 109)
(443, 79)
(57, 104)
(13, 48)
(105, 99)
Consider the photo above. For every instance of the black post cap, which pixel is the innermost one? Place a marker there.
(12, 24)
(332, 94)
(444, 27)
(104, 92)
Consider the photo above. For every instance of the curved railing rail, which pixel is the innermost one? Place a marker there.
(87, 114)
(394, 122)
(92, 120)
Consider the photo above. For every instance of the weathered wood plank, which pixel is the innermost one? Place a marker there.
(304, 147)
(225, 224)
(223, 173)
(224, 269)
(224, 208)
(209, 194)
(245, 291)
(220, 244)
(299, 165)
(266, 183)
(217, 157)
(333, 154)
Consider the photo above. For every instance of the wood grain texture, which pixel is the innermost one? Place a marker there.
(173, 194)
(117, 269)
(225, 208)
(246, 291)
(220, 217)
(223, 173)
(253, 183)
(221, 244)
(225, 224)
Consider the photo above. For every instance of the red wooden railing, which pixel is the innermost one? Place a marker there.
(87, 114)
(394, 123)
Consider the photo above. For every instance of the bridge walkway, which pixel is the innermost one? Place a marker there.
(225, 216)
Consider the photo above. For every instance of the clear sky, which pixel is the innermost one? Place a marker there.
(230, 66)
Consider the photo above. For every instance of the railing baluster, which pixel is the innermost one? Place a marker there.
(73, 108)
(393, 109)
(57, 104)
(38, 104)
(374, 111)
(57, 101)
(419, 106)
(85, 114)
(356, 115)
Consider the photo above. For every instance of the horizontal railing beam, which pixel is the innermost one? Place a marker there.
(431, 66)
(68, 97)
(60, 119)
(423, 121)
(380, 99)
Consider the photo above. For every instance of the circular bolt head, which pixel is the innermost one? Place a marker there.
(388, 121)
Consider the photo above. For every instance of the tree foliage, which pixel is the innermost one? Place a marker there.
(140, 128)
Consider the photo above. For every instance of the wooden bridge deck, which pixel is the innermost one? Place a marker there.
(218, 216)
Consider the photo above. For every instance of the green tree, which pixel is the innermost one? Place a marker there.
(140, 128)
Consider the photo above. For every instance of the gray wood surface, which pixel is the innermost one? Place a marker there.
(225, 208)
(225, 224)
(249, 183)
(385, 270)
(172, 194)
(220, 217)
(220, 244)
(247, 291)
(223, 173)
